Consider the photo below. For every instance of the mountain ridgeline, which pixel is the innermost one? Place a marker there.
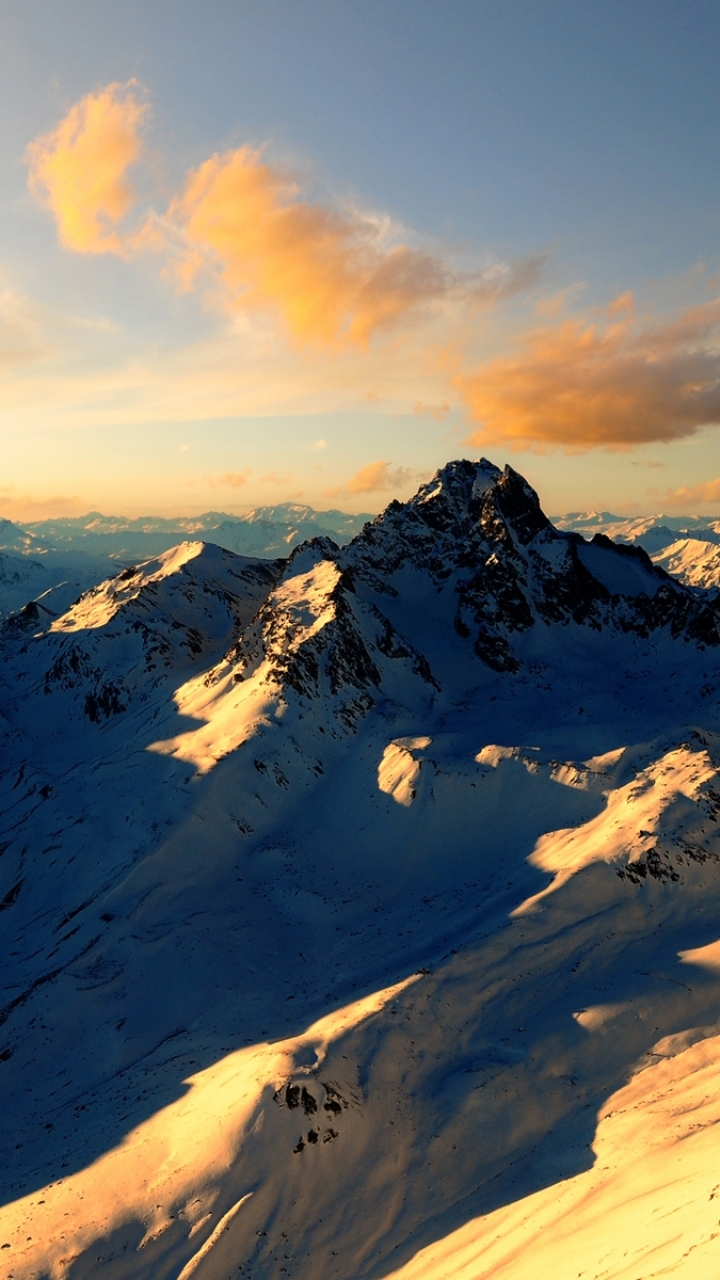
(472, 552)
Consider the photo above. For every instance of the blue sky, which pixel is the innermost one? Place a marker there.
(538, 183)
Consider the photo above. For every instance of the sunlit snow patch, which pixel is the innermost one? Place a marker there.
(97, 607)
(167, 1173)
(627, 827)
(708, 957)
(399, 768)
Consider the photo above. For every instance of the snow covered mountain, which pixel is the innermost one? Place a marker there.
(650, 532)
(56, 560)
(694, 561)
(688, 547)
(266, 531)
(360, 909)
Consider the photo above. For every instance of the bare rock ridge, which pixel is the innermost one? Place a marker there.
(358, 906)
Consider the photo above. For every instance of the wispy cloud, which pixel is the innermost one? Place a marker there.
(437, 411)
(277, 477)
(689, 496)
(376, 477)
(616, 383)
(80, 168)
(553, 305)
(22, 337)
(18, 506)
(228, 480)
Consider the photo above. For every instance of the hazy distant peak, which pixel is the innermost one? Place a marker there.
(15, 538)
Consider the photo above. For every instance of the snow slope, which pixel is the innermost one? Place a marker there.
(361, 909)
(692, 560)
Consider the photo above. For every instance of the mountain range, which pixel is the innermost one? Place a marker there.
(688, 547)
(55, 560)
(360, 907)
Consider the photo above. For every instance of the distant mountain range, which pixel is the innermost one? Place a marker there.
(359, 908)
(688, 547)
(274, 528)
(55, 560)
(650, 532)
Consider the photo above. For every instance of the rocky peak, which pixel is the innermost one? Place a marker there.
(463, 494)
(454, 495)
(466, 507)
(482, 538)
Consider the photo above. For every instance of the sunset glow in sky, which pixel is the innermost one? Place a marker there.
(254, 251)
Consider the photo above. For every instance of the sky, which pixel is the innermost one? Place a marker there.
(255, 251)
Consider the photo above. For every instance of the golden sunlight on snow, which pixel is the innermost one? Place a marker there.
(171, 1167)
(641, 1212)
(629, 823)
(399, 768)
(97, 607)
(228, 705)
(708, 957)
(228, 714)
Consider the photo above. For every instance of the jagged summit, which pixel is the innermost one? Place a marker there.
(482, 537)
(463, 495)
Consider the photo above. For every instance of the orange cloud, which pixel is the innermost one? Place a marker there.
(582, 385)
(232, 479)
(26, 506)
(623, 305)
(80, 168)
(325, 272)
(376, 477)
(707, 492)
(276, 477)
(229, 480)
(550, 306)
(242, 229)
(437, 411)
